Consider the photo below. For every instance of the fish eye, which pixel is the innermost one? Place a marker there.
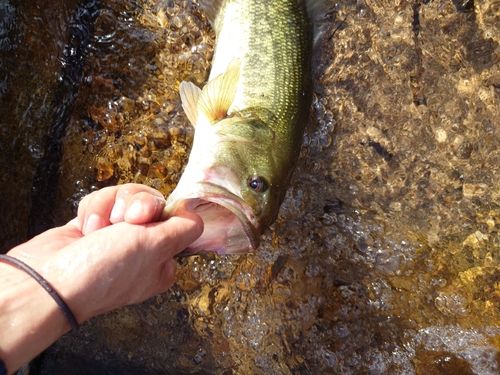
(258, 184)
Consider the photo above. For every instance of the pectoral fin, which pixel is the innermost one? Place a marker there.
(218, 95)
(189, 98)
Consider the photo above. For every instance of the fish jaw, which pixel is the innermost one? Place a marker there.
(229, 223)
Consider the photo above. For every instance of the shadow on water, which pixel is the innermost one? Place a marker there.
(74, 364)
(42, 51)
(45, 182)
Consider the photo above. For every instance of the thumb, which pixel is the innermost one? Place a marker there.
(167, 276)
(175, 234)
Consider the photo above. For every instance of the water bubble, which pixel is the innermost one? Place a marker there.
(197, 359)
(36, 150)
(329, 358)
(228, 313)
(328, 220)
(325, 140)
(341, 331)
(227, 330)
(261, 361)
(452, 304)
(105, 26)
(196, 274)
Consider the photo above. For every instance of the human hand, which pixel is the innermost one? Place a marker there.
(115, 252)
(132, 203)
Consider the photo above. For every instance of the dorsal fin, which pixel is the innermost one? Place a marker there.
(190, 94)
(218, 94)
(211, 9)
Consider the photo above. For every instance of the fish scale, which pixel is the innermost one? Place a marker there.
(273, 40)
(249, 120)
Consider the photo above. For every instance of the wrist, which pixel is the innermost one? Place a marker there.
(64, 272)
(30, 319)
(45, 285)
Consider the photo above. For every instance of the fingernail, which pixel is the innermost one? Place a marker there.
(160, 203)
(135, 210)
(118, 211)
(94, 222)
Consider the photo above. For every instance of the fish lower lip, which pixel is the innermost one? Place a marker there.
(229, 221)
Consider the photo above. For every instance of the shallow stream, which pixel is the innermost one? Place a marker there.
(385, 258)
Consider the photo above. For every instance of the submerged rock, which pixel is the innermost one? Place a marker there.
(384, 258)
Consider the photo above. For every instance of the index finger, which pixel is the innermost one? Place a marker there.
(108, 205)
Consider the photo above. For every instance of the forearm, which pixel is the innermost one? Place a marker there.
(30, 320)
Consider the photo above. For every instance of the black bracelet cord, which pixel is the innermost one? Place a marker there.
(60, 302)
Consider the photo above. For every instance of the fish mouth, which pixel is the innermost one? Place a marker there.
(230, 226)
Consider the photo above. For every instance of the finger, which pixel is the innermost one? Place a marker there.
(175, 234)
(144, 208)
(108, 206)
(96, 209)
(160, 283)
(125, 263)
(82, 207)
(167, 276)
(125, 195)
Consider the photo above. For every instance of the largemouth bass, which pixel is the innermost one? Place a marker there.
(249, 121)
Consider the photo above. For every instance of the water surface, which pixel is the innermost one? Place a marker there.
(385, 255)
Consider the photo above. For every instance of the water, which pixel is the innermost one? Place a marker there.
(385, 255)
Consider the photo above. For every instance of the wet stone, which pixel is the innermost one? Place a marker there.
(441, 363)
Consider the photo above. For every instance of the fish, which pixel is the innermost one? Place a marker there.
(249, 122)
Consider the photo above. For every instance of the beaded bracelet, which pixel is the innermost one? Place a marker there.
(60, 302)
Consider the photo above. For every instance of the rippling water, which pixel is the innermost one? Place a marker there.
(385, 256)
